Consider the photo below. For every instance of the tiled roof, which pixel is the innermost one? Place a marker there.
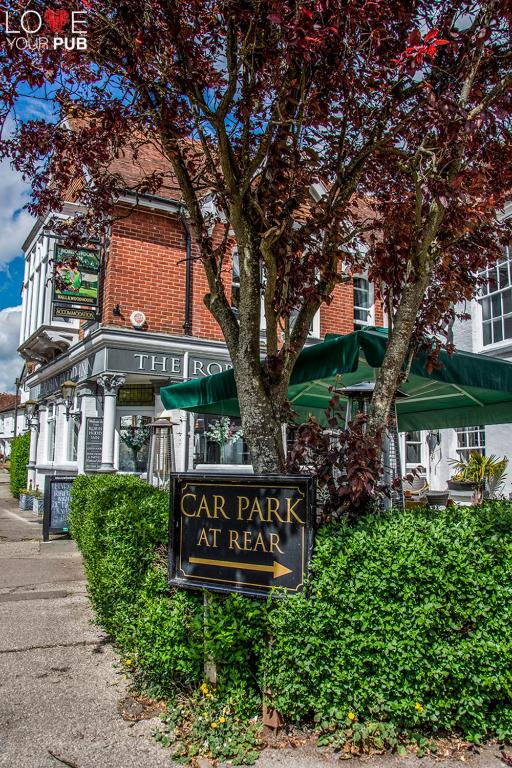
(7, 401)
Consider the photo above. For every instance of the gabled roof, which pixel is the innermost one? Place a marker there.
(8, 401)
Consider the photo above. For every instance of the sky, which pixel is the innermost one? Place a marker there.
(15, 224)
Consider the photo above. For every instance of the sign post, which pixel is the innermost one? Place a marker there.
(241, 533)
(57, 497)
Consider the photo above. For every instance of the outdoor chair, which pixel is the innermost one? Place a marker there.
(415, 491)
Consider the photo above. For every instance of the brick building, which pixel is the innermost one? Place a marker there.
(151, 328)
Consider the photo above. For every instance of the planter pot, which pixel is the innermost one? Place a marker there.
(38, 505)
(460, 485)
(26, 502)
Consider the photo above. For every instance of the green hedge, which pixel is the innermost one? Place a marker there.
(407, 618)
(409, 621)
(20, 449)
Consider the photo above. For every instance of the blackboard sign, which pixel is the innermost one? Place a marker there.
(57, 497)
(93, 441)
(241, 533)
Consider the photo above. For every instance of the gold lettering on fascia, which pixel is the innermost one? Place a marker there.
(267, 510)
(157, 363)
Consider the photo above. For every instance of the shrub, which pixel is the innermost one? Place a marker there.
(20, 448)
(408, 621)
(404, 627)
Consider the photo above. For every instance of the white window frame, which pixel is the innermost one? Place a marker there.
(477, 313)
(464, 451)
(128, 410)
(370, 320)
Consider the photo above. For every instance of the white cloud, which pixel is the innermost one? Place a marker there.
(15, 223)
(10, 362)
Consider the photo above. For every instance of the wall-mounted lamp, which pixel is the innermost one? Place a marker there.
(116, 310)
(31, 408)
(68, 395)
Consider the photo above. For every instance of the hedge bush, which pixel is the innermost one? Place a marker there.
(406, 619)
(20, 450)
(409, 621)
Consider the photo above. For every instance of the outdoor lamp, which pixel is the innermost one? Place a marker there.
(358, 401)
(68, 395)
(161, 454)
(31, 407)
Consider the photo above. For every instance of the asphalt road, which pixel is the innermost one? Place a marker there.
(59, 686)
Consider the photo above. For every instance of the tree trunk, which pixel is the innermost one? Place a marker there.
(388, 377)
(261, 414)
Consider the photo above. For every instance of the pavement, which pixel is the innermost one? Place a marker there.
(60, 685)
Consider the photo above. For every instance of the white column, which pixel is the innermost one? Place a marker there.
(62, 426)
(32, 457)
(110, 384)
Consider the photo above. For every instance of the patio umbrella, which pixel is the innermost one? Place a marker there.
(466, 389)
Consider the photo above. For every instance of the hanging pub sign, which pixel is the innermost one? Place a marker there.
(241, 533)
(57, 499)
(75, 283)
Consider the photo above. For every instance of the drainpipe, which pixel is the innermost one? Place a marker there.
(187, 325)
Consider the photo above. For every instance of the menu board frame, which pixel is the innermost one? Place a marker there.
(49, 526)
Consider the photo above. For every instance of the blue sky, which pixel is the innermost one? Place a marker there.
(15, 224)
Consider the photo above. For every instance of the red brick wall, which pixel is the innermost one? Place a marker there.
(146, 271)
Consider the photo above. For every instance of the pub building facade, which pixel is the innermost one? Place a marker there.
(95, 366)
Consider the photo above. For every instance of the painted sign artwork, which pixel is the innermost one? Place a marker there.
(76, 276)
(234, 533)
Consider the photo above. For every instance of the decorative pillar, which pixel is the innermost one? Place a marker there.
(110, 384)
(32, 457)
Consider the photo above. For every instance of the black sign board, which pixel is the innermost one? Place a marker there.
(78, 313)
(93, 441)
(57, 497)
(241, 533)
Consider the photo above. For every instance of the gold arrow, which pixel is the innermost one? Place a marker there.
(276, 569)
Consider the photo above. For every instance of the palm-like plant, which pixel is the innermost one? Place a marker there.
(481, 471)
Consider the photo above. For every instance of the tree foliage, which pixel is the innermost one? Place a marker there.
(323, 136)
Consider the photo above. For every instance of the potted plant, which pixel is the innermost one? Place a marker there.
(38, 502)
(26, 495)
(485, 475)
(223, 432)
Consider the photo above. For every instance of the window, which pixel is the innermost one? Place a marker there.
(134, 434)
(50, 443)
(496, 301)
(363, 304)
(219, 440)
(413, 446)
(235, 280)
(470, 440)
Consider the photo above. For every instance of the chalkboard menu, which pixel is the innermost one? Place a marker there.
(93, 440)
(57, 497)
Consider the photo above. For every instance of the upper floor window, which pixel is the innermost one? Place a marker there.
(496, 301)
(470, 440)
(363, 302)
(235, 279)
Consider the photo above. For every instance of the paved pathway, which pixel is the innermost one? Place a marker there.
(59, 689)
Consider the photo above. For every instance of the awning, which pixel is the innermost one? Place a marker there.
(465, 390)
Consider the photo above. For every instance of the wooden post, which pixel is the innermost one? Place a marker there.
(210, 668)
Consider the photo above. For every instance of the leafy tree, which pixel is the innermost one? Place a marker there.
(325, 136)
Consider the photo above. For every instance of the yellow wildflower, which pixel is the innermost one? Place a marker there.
(418, 707)
(351, 716)
(214, 725)
(204, 688)
(209, 695)
(222, 719)
(128, 661)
